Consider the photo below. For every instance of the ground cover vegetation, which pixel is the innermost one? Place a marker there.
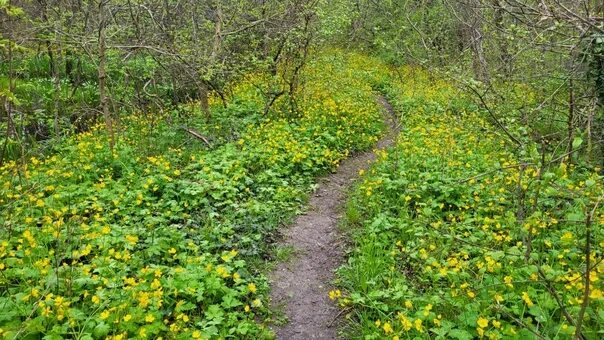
(454, 238)
(152, 150)
(153, 239)
(485, 220)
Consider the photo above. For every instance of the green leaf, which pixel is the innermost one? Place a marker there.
(214, 312)
(460, 334)
(575, 216)
(101, 330)
(577, 142)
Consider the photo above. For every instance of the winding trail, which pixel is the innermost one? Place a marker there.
(301, 286)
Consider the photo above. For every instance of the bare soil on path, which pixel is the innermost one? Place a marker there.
(301, 286)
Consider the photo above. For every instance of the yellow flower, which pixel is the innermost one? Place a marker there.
(155, 284)
(172, 251)
(130, 281)
(46, 311)
(568, 236)
(418, 325)
(508, 281)
(252, 288)
(428, 307)
(480, 332)
(407, 325)
(132, 239)
(408, 304)
(527, 299)
(387, 328)
(143, 299)
(496, 324)
(95, 299)
(149, 318)
(246, 308)
(334, 294)
(482, 322)
(222, 271)
(127, 317)
(105, 315)
(196, 335)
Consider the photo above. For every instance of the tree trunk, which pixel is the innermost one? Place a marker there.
(57, 95)
(54, 67)
(504, 54)
(570, 126)
(11, 129)
(217, 45)
(102, 75)
(472, 23)
(203, 100)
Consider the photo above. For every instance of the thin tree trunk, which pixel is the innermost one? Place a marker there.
(473, 34)
(57, 97)
(8, 104)
(217, 45)
(54, 65)
(216, 50)
(54, 70)
(479, 60)
(504, 54)
(570, 125)
(102, 75)
(203, 100)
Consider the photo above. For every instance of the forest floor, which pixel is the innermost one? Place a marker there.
(300, 286)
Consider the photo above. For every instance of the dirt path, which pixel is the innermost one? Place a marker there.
(301, 286)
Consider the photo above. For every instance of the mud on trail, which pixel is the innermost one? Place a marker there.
(301, 286)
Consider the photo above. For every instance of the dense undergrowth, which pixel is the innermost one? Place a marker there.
(456, 234)
(159, 238)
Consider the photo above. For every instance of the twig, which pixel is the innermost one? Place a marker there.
(197, 135)
(338, 316)
(554, 293)
(520, 165)
(585, 303)
(494, 117)
(524, 325)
